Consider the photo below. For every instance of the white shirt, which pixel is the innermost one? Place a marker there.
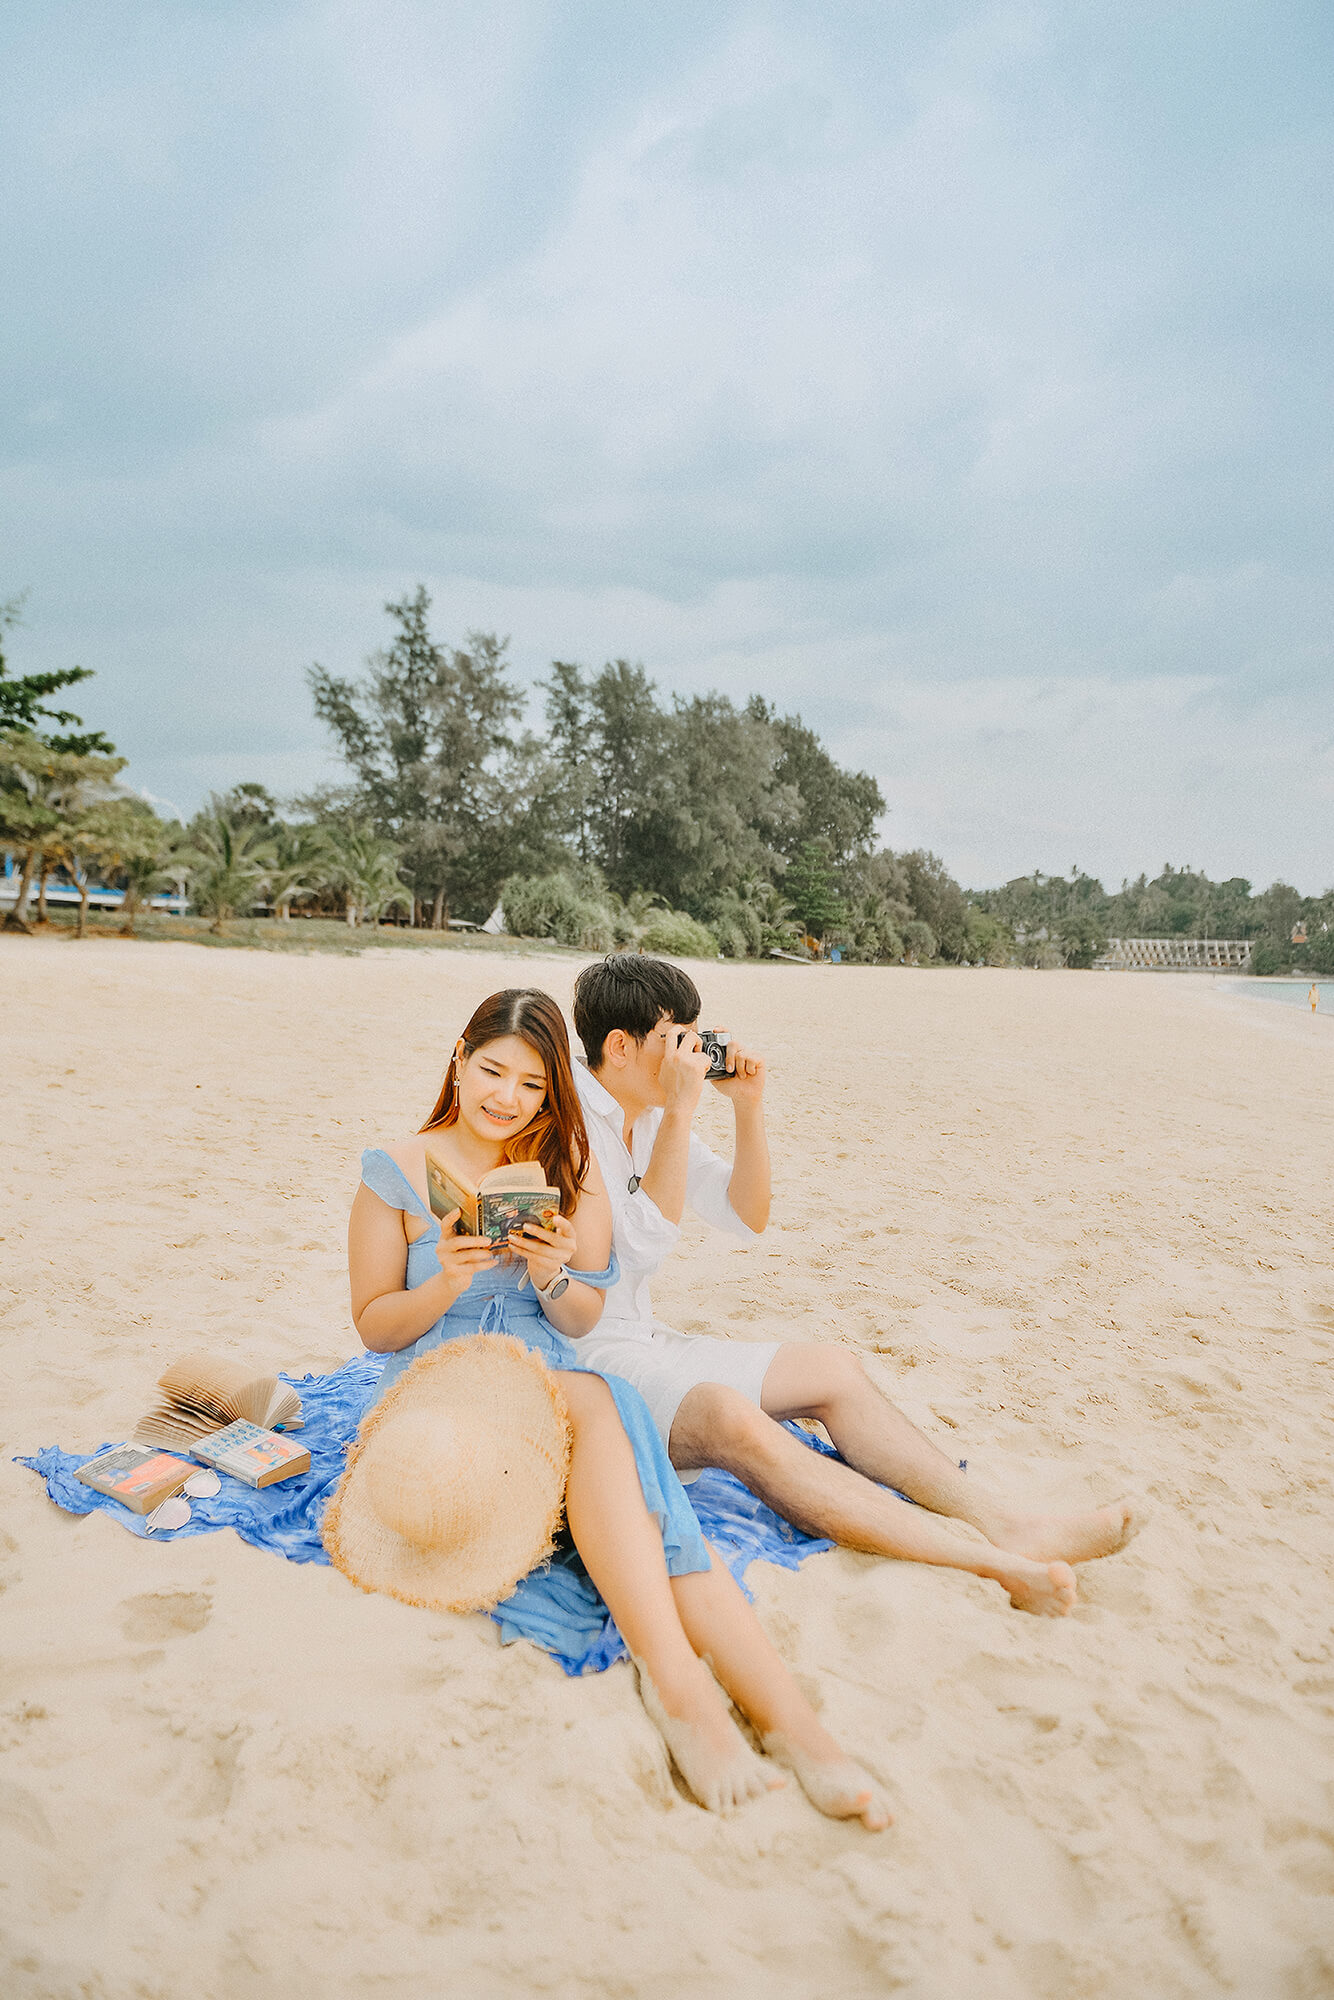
(641, 1235)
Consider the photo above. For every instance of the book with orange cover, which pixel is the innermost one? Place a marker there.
(135, 1475)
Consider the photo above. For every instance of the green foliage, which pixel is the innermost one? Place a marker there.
(429, 734)
(694, 803)
(360, 863)
(937, 901)
(146, 862)
(22, 699)
(674, 802)
(1318, 954)
(304, 860)
(919, 941)
(1080, 937)
(96, 840)
(57, 807)
(825, 805)
(990, 942)
(678, 935)
(250, 807)
(868, 934)
(689, 825)
(29, 776)
(1059, 920)
(809, 887)
(558, 906)
(753, 920)
(229, 864)
(737, 925)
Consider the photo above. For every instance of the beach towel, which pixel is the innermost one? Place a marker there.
(556, 1607)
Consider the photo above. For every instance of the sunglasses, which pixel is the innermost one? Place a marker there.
(174, 1513)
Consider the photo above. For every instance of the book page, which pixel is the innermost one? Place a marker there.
(448, 1191)
(202, 1393)
(518, 1174)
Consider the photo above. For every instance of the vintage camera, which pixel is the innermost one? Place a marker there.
(714, 1045)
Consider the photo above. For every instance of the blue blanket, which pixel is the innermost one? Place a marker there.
(556, 1607)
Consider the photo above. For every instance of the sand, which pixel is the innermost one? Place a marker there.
(1078, 1225)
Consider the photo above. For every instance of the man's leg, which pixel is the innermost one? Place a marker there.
(830, 1384)
(719, 1426)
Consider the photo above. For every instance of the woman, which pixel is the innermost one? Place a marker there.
(509, 1095)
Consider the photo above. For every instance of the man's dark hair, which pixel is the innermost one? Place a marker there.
(632, 993)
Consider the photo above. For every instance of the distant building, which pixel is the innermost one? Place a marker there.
(1175, 954)
(62, 894)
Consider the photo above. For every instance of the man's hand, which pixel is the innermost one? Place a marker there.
(749, 1188)
(684, 1067)
(744, 1082)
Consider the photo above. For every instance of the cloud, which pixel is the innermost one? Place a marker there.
(903, 363)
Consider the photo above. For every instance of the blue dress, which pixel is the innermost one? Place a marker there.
(493, 1303)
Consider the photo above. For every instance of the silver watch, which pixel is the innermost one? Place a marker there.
(558, 1286)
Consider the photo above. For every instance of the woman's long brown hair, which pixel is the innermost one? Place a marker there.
(557, 1136)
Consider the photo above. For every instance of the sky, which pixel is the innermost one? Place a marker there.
(958, 376)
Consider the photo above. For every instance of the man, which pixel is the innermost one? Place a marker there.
(722, 1402)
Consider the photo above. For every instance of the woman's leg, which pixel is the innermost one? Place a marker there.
(622, 1552)
(723, 1629)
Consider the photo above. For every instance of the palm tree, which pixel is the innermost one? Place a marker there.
(145, 875)
(95, 836)
(26, 816)
(303, 862)
(50, 801)
(231, 865)
(150, 861)
(365, 868)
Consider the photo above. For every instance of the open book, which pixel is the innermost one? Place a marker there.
(202, 1393)
(500, 1201)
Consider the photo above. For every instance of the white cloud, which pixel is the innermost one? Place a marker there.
(956, 377)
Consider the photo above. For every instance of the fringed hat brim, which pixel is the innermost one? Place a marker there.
(493, 1383)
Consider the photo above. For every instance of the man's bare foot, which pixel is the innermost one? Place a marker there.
(1070, 1538)
(705, 1744)
(831, 1781)
(1048, 1590)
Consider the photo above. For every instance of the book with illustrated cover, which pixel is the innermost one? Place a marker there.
(250, 1453)
(135, 1475)
(203, 1393)
(500, 1201)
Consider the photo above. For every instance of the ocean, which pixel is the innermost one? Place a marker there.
(1292, 992)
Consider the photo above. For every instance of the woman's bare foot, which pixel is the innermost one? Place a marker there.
(1069, 1538)
(1047, 1589)
(831, 1781)
(705, 1744)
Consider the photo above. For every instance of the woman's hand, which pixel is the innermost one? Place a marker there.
(461, 1258)
(544, 1250)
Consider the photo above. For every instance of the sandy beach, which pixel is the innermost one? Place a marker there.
(1078, 1225)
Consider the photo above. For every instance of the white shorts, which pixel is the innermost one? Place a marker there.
(665, 1365)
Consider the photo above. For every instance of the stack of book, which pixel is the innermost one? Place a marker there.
(219, 1412)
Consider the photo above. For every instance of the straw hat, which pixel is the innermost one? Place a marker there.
(454, 1488)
